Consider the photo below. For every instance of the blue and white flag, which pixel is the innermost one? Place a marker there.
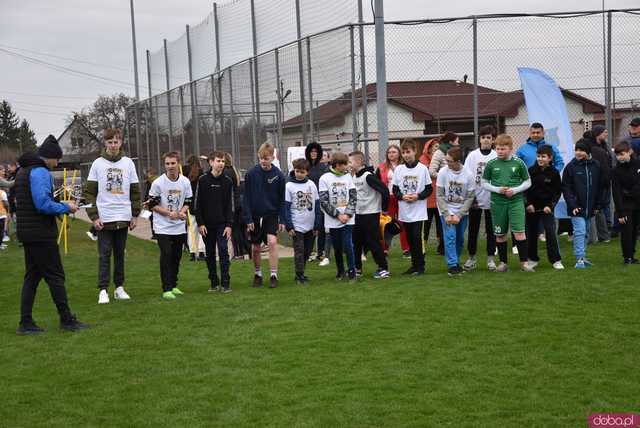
(545, 104)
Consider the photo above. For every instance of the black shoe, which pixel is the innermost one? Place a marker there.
(72, 324)
(201, 257)
(352, 275)
(633, 261)
(409, 271)
(300, 279)
(192, 257)
(273, 281)
(341, 276)
(455, 271)
(27, 328)
(257, 281)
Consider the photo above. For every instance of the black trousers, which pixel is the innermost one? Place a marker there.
(629, 234)
(42, 261)
(434, 216)
(170, 255)
(414, 237)
(475, 218)
(111, 242)
(302, 247)
(366, 235)
(533, 227)
(215, 240)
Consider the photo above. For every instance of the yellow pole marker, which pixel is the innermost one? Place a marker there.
(66, 217)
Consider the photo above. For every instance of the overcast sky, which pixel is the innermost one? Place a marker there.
(94, 37)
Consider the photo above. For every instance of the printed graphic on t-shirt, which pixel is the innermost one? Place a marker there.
(339, 195)
(479, 171)
(173, 199)
(303, 201)
(455, 192)
(114, 181)
(410, 184)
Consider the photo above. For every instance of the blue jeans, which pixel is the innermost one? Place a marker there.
(580, 234)
(341, 238)
(453, 236)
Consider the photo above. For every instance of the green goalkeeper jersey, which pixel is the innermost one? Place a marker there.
(511, 172)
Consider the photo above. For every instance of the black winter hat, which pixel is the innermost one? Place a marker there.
(635, 121)
(50, 149)
(598, 129)
(583, 145)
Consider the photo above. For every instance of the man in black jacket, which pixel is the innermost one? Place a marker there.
(626, 196)
(541, 198)
(36, 212)
(600, 152)
(214, 214)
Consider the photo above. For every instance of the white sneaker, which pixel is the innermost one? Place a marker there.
(558, 265)
(532, 264)
(6, 238)
(470, 264)
(324, 262)
(92, 236)
(542, 237)
(491, 265)
(363, 258)
(103, 297)
(120, 294)
(514, 250)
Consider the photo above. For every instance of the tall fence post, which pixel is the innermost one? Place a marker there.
(313, 138)
(218, 75)
(149, 117)
(363, 80)
(195, 125)
(255, 63)
(182, 142)
(301, 74)
(166, 67)
(475, 79)
(147, 122)
(280, 102)
(232, 126)
(254, 133)
(381, 82)
(214, 131)
(354, 108)
(609, 119)
(154, 118)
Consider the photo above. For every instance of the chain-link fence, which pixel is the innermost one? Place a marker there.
(447, 74)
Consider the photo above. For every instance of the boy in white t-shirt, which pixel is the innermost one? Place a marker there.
(302, 215)
(474, 164)
(170, 197)
(454, 194)
(412, 186)
(4, 213)
(338, 197)
(113, 191)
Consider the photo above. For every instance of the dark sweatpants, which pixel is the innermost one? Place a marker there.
(170, 255)
(366, 234)
(215, 239)
(111, 241)
(414, 236)
(475, 218)
(629, 234)
(42, 261)
(302, 247)
(549, 224)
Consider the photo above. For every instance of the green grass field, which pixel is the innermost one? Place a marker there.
(506, 350)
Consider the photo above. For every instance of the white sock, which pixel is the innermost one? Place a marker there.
(274, 273)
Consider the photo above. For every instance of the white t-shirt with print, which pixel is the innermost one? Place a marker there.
(114, 181)
(410, 181)
(456, 185)
(172, 195)
(3, 200)
(475, 164)
(303, 198)
(338, 188)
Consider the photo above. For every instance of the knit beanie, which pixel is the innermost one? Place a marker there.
(50, 149)
(583, 146)
(597, 130)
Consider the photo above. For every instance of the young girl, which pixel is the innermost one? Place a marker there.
(432, 208)
(193, 171)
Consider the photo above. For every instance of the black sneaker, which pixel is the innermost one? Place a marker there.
(226, 289)
(341, 276)
(72, 324)
(409, 271)
(455, 271)
(201, 257)
(352, 275)
(27, 328)
(300, 280)
(192, 257)
(214, 288)
(257, 281)
(631, 261)
(273, 281)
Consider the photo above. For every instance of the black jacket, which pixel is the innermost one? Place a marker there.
(600, 153)
(32, 226)
(626, 187)
(373, 180)
(213, 200)
(584, 187)
(546, 187)
(317, 168)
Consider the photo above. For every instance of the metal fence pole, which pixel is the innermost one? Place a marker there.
(147, 122)
(310, 89)
(301, 74)
(149, 117)
(381, 82)
(363, 79)
(182, 142)
(232, 127)
(195, 126)
(157, 129)
(153, 118)
(354, 108)
(475, 78)
(255, 62)
(213, 113)
(254, 133)
(166, 67)
(609, 119)
(218, 74)
(279, 103)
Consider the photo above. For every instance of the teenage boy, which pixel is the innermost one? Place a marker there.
(170, 197)
(36, 212)
(302, 216)
(475, 164)
(455, 194)
(542, 197)
(213, 208)
(411, 186)
(338, 199)
(373, 197)
(626, 196)
(507, 177)
(263, 209)
(583, 186)
(114, 192)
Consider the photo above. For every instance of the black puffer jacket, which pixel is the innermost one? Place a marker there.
(584, 187)
(626, 187)
(317, 168)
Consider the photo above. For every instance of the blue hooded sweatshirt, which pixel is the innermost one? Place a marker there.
(529, 151)
(263, 194)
